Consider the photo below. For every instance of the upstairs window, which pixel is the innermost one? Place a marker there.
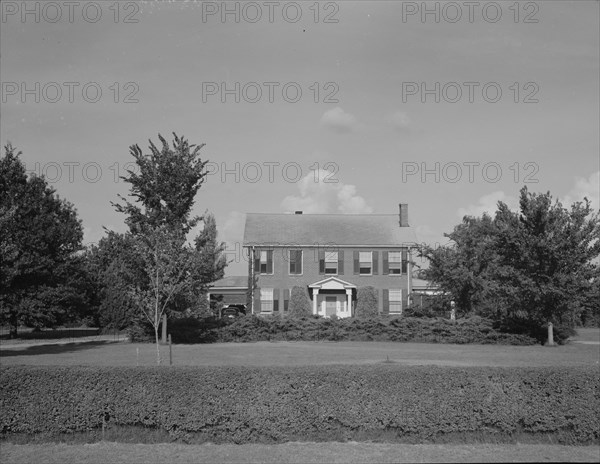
(331, 262)
(365, 262)
(264, 262)
(295, 261)
(395, 262)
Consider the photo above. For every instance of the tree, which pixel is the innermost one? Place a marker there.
(366, 302)
(546, 259)
(173, 274)
(299, 305)
(39, 241)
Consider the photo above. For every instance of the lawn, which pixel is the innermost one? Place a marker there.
(110, 353)
(351, 452)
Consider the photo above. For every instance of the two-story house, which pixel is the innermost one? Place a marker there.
(331, 256)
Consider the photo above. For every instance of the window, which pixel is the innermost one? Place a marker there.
(331, 262)
(395, 301)
(264, 263)
(266, 300)
(395, 262)
(366, 262)
(295, 257)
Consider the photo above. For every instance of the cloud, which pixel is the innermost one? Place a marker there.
(232, 230)
(488, 203)
(399, 121)
(338, 120)
(327, 195)
(584, 188)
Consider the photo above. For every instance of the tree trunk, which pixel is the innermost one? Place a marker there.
(157, 345)
(13, 325)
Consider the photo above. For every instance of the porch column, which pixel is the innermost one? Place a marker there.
(349, 301)
(315, 294)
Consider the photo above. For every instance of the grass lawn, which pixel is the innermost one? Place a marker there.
(351, 452)
(109, 353)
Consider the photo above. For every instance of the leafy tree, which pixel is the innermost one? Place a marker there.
(164, 190)
(40, 272)
(299, 304)
(546, 259)
(366, 302)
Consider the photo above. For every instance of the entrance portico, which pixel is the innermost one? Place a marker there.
(332, 296)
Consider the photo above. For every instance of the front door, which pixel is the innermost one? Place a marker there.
(330, 305)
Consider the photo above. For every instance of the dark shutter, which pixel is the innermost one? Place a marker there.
(286, 298)
(257, 300)
(404, 261)
(386, 301)
(257, 261)
(375, 262)
(356, 263)
(299, 256)
(321, 262)
(341, 262)
(386, 263)
(269, 261)
(275, 299)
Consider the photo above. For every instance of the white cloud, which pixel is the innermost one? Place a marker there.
(399, 121)
(327, 195)
(584, 188)
(338, 120)
(488, 203)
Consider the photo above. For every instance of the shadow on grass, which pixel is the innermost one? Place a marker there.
(35, 350)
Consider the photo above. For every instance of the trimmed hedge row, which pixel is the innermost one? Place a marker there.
(400, 329)
(317, 403)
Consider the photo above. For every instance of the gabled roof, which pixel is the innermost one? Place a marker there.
(332, 283)
(326, 230)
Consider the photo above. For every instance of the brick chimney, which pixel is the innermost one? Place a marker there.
(403, 214)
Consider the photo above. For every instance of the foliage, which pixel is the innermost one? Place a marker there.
(366, 302)
(526, 268)
(253, 328)
(313, 403)
(164, 186)
(299, 304)
(42, 279)
(545, 251)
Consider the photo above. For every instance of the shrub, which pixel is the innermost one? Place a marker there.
(266, 404)
(299, 304)
(366, 302)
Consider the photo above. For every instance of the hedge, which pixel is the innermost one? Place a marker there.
(403, 329)
(386, 402)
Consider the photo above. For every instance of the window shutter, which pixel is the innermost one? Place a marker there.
(286, 298)
(375, 262)
(386, 263)
(257, 261)
(275, 299)
(270, 262)
(386, 301)
(356, 263)
(256, 303)
(321, 262)
(404, 261)
(341, 262)
(299, 256)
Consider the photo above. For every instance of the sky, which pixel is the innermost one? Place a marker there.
(341, 107)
